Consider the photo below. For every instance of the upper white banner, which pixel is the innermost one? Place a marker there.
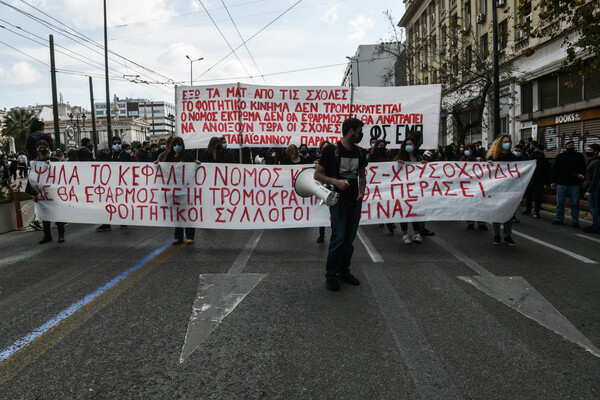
(277, 116)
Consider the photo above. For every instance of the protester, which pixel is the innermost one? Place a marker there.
(36, 132)
(115, 155)
(214, 152)
(143, 154)
(22, 165)
(567, 174)
(500, 151)
(409, 153)
(343, 166)
(126, 147)
(293, 156)
(379, 152)
(43, 150)
(175, 152)
(324, 143)
(306, 157)
(4, 169)
(592, 184)
(470, 155)
(540, 180)
(162, 146)
(13, 165)
(85, 151)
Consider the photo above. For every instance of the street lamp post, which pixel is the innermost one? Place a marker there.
(191, 66)
(357, 69)
(496, 70)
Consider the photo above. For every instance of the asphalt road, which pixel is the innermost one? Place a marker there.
(418, 326)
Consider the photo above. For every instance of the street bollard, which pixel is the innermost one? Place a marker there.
(18, 211)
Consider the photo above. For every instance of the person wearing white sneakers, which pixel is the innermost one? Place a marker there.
(408, 153)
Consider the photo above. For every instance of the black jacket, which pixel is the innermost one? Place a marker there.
(566, 168)
(592, 175)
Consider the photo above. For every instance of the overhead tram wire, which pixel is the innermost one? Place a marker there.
(225, 39)
(25, 54)
(69, 35)
(80, 36)
(247, 49)
(69, 53)
(251, 37)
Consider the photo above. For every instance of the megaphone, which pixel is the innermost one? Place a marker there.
(306, 186)
(259, 160)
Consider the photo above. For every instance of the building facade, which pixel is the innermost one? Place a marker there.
(446, 43)
(368, 67)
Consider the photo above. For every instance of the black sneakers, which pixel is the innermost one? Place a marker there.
(320, 239)
(332, 284)
(349, 279)
(508, 240)
(496, 239)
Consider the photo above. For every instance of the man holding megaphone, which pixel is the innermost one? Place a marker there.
(342, 165)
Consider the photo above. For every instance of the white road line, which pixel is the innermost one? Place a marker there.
(588, 237)
(556, 248)
(240, 262)
(373, 253)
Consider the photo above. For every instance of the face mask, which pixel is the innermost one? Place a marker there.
(467, 153)
(128, 151)
(381, 149)
(409, 149)
(359, 138)
(305, 152)
(570, 149)
(462, 149)
(517, 153)
(590, 154)
(506, 145)
(372, 145)
(117, 147)
(43, 151)
(177, 148)
(163, 146)
(224, 145)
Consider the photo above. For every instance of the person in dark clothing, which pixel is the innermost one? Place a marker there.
(470, 155)
(324, 143)
(162, 146)
(592, 184)
(293, 156)
(43, 150)
(379, 153)
(85, 151)
(567, 174)
(36, 132)
(144, 154)
(116, 154)
(342, 165)
(500, 151)
(305, 155)
(214, 152)
(540, 181)
(175, 152)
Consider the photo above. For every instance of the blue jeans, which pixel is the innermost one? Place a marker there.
(593, 205)
(507, 227)
(345, 217)
(562, 191)
(189, 233)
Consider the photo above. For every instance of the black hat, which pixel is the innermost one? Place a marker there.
(115, 138)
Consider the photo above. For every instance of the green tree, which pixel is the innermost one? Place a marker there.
(580, 19)
(16, 125)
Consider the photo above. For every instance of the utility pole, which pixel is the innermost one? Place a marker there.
(94, 133)
(108, 124)
(54, 95)
(496, 70)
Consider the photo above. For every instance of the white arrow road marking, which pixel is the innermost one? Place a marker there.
(218, 295)
(517, 293)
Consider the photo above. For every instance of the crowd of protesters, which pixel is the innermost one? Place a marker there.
(568, 176)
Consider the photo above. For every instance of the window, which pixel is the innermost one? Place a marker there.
(526, 98)
(525, 21)
(469, 56)
(424, 22)
(484, 46)
(467, 15)
(504, 124)
(548, 92)
(566, 93)
(502, 35)
(432, 14)
(483, 6)
(442, 7)
(434, 47)
(592, 86)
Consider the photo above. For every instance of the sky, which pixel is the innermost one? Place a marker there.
(287, 43)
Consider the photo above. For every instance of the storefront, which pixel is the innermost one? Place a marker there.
(583, 127)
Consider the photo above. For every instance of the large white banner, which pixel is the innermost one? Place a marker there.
(277, 116)
(235, 196)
